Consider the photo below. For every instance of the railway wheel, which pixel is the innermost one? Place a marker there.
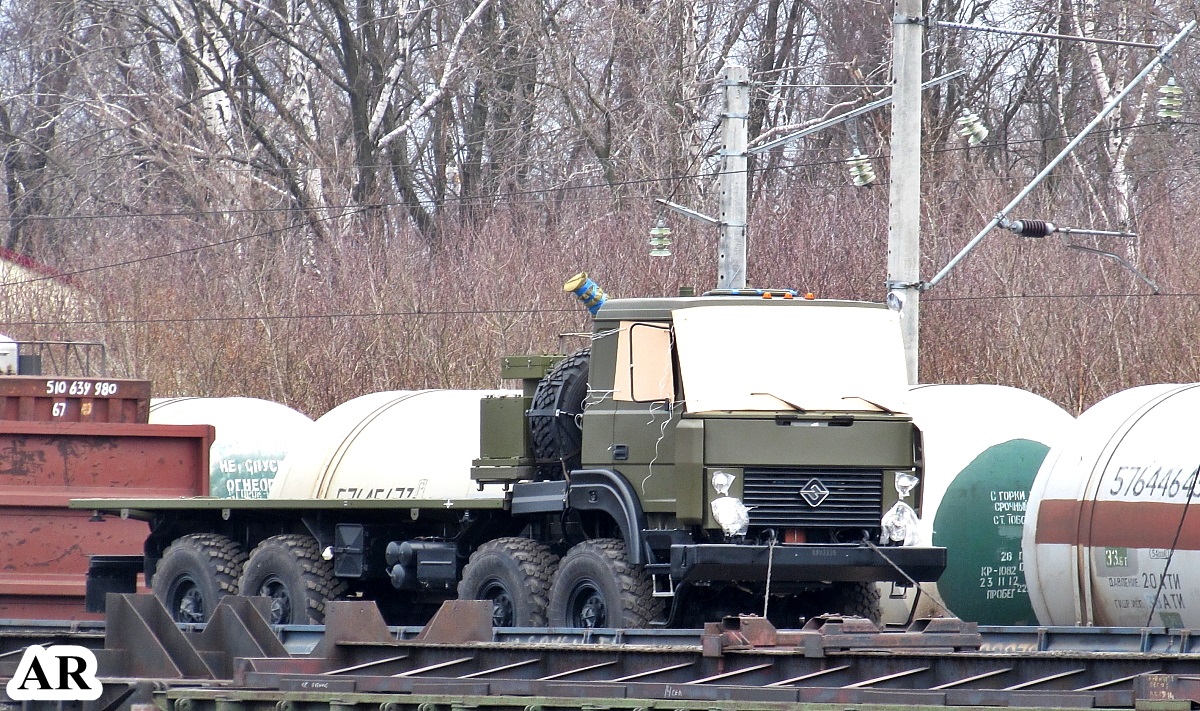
(596, 586)
(514, 573)
(195, 571)
(290, 571)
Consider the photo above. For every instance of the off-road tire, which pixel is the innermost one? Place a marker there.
(514, 573)
(195, 572)
(596, 586)
(859, 600)
(290, 571)
(558, 406)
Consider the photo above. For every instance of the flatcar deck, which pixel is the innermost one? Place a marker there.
(237, 662)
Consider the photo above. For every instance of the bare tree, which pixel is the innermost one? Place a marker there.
(46, 37)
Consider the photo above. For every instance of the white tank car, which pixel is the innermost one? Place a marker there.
(983, 447)
(253, 437)
(402, 444)
(1113, 533)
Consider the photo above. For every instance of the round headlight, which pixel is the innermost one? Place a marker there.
(905, 483)
(721, 482)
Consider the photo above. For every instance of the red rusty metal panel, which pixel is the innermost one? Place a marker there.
(43, 399)
(44, 545)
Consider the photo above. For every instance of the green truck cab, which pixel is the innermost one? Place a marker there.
(786, 406)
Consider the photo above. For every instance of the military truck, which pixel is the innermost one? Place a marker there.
(736, 452)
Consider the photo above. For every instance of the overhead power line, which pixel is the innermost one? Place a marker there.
(1044, 35)
(422, 313)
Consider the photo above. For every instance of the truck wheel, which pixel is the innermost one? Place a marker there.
(195, 572)
(859, 599)
(514, 573)
(290, 571)
(596, 586)
(555, 430)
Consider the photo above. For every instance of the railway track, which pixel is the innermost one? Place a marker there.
(237, 662)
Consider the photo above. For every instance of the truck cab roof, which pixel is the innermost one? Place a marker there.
(660, 308)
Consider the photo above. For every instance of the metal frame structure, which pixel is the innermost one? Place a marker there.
(237, 662)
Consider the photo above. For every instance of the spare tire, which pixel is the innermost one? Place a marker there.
(555, 418)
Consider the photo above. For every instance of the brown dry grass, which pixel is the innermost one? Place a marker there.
(393, 313)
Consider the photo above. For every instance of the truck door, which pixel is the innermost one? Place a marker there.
(646, 412)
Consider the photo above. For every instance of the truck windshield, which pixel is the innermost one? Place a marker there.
(813, 356)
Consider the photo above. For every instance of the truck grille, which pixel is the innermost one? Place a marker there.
(803, 498)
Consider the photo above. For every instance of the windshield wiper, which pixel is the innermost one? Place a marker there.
(885, 410)
(792, 405)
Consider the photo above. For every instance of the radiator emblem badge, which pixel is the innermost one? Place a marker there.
(814, 492)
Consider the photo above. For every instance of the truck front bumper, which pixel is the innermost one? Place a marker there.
(834, 562)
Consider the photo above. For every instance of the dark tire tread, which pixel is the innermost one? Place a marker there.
(225, 557)
(860, 600)
(535, 562)
(637, 606)
(317, 574)
(557, 439)
(211, 561)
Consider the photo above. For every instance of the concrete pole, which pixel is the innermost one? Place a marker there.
(904, 214)
(731, 256)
